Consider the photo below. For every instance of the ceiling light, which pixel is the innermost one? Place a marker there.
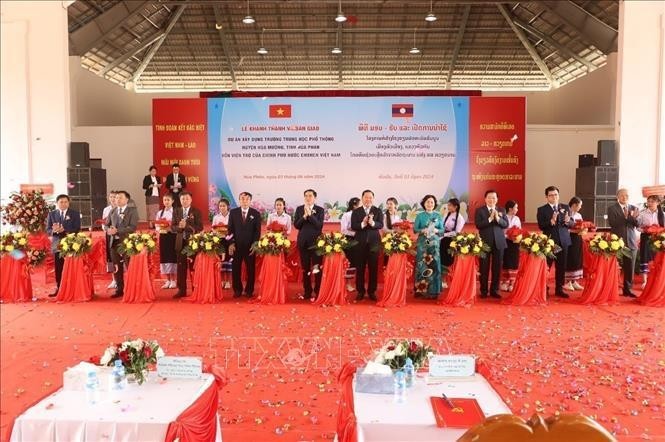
(248, 20)
(218, 26)
(414, 50)
(262, 51)
(336, 50)
(341, 18)
(430, 17)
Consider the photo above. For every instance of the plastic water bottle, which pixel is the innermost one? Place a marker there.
(118, 380)
(409, 371)
(92, 388)
(400, 388)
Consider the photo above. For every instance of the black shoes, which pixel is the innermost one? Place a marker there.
(179, 295)
(360, 296)
(372, 296)
(561, 294)
(54, 294)
(495, 295)
(628, 294)
(117, 295)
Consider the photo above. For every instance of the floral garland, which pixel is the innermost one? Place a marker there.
(27, 210)
(135, 243)
(18, 245)
(608, 244)
(74, 244)
(272, 243)
(329, 243)
(469, 244)
(395, 352)
(209, 242)
(540, 245)
(394, 242)
(135, 355)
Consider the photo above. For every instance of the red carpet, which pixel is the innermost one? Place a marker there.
(606, 362)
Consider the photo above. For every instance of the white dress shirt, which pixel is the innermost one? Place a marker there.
(284, 219)
(345, 224)
(449, 226)
(220, 219)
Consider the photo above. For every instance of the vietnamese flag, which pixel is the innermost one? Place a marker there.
(279, 111)
(403, 110)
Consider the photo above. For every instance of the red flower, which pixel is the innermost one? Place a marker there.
(94, 360)
(391, 347)
(276, 227)
(124, 356)
(413, 347)
(147, 351)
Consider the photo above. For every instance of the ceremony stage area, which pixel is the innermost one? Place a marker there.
(606, 362)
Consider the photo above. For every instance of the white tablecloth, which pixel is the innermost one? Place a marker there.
(380, 419)
(139, 413)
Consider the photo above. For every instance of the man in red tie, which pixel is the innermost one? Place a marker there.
(244, 229)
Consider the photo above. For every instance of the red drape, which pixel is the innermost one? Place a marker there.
(76, 284)
(42, 241)
(462, 289)
(138, 285)
(654, 293)
(601, 287)
(333, 287)
(207, 280)
(198, 423)
(531, 283)
(346, 418)
(395, 281)
(97, 256)
(15, 283)
(272, 280)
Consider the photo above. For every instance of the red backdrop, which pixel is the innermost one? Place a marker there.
(497, 131)
(180, 135)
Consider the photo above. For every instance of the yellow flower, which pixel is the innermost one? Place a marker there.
(453, 244)
(88, 240)
(279, 241)
(464, 250)
(476, 249)
(287, 243)
(548, 249)
(195, 245)
(535, 248)
(388, 246)
(401, 247)
(518, 238)
(264, 242)
(337, 248)
(2, 247)
(459, 237)
(208, 245)
(613, 237)
(470, 236)
(129, 244)
(527, 241)
(550, 242)
(10, 248)
(321, 243)
(151, 244)
(338, 235)
(615, 245)
(145, 236)
(64, 245)
(76, 246)
(17, 235)
(621, 242)
(603, 245)
(480, 242)
(80, 234)
(328, 248)
(22, 241)
(70, 235)
(139, 247)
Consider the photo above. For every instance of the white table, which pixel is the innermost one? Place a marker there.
(139, 413)
(380, 419)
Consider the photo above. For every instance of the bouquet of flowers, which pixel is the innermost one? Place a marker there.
(75, 244)
(403, 225)
(540, 245)
(209, 242)
(608, 244)
(658, 241)
(654, 229)
(18, 244)
(394, 242)
(468, 244)
(329, 243)
(515, 234)
(135, 243)
(272, 243)
(135, 355)
(275, 226)
(221, 228)
(27, 210)
(395, 352)
(584, 226)
(162, 225)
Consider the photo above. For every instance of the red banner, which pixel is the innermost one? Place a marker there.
(180, 135)
(497, 130)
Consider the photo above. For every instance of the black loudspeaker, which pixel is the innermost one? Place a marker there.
(90, 208)
(79, 154)
(96, 163)
(586, 160)
(595, 209)
(596, 181)
(607, 153)
(87, 182)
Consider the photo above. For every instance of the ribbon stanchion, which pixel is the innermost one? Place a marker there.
(333, 287)
(654, 292)
(462, 289)
(272, 280)
(395, 281)
(138, 285)
(207, 280)
(531, 282)
(76, 284)
(601, 287)
(15, 283)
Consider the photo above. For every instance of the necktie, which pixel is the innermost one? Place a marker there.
(625, 211)
(244, 215)
(62, 215)
(185, 213)
(366, 210)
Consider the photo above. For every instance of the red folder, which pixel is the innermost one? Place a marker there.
(465, 414)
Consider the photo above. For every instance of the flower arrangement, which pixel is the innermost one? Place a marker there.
(136, 243)
(331, 242)
(74, 244)
(275, 226)
(222, 228)
(395, 352)
(18, 244)
(540, 245)
(396, 243)
(469, 244)
(403, 225)
(654, 230)
(658, 241)
(272, 243)
(209, 242)
(583, 227)
(608, 244)
(515, 234)
(28, 210)
(135, 355)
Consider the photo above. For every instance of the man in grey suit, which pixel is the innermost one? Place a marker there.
(622, 217)
(121, 222)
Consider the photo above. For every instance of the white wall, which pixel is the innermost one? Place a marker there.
(35, 94)
(126, 153)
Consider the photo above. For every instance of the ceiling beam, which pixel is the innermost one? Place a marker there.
(225, 49)
(115, 63)
(529, 47)
(458, 44)
(95, 31)
(155, 47)
(593, 30)
(556, 45)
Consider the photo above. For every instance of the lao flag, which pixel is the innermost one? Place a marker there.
(279, 111)
(403, 110)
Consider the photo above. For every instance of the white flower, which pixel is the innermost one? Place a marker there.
(137, 344)
(400, 350)
(125, 345)
(390, 355)
(380, 359)
(108, 356)
(159, 353)
(430, 354)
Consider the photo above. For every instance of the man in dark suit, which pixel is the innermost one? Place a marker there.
(367, 222)
(490, 221)
(245, 228)
(122, 221)
(622, 218)
(554, 220)
(187, 220)
(308, 219)
(176, 183)
(59, 223)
